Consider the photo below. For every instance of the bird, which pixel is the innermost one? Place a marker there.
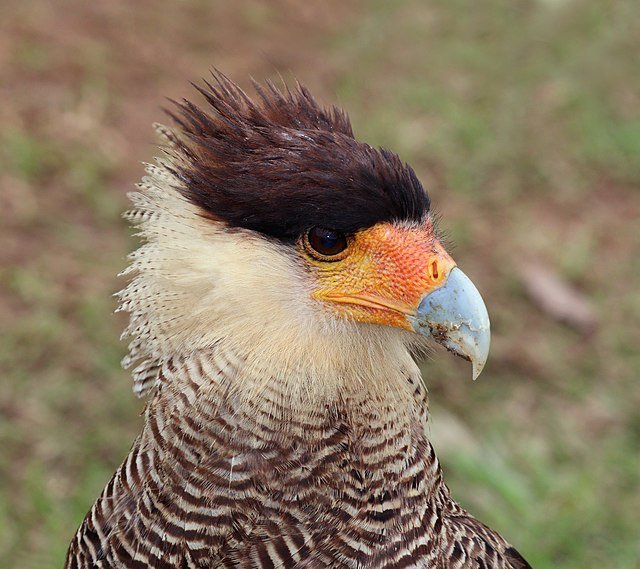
(289, 278)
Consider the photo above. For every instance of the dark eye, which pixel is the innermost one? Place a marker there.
(325, 244)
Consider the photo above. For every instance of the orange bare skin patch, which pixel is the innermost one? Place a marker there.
(387, 270)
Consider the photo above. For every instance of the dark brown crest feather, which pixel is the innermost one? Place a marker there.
(285, 164)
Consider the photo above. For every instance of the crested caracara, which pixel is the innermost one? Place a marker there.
(287, 276)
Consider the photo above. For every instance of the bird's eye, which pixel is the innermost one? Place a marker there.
(325, 244)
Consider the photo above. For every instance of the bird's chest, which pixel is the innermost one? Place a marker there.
(312, 517)
(342, 495)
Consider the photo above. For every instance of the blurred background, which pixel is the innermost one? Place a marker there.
(522, 118)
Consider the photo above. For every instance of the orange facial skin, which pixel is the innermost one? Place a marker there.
(385, 273)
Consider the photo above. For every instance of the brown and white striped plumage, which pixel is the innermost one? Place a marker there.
(276, 434)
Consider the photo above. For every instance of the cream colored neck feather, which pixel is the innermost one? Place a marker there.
(196, 285)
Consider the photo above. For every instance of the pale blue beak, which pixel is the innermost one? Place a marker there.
(455, 316)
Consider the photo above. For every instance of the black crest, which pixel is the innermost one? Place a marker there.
(284, 164)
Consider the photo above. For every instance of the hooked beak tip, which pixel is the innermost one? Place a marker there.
(455, 316)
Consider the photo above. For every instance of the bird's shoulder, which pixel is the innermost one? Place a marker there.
(472, 544)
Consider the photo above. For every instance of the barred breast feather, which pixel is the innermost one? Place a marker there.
(229, 483)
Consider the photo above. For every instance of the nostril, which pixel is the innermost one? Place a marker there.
(434, 270)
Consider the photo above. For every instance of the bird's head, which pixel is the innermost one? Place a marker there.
(270, 228)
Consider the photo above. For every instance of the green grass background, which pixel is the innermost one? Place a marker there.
(523, 121)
